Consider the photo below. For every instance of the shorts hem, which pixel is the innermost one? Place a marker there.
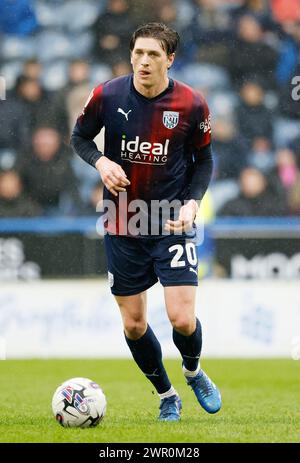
(177, 283)
(132, 292)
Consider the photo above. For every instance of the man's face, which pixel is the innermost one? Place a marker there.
(10, 186)
(46, 143)
(252, 183)
(149, 61)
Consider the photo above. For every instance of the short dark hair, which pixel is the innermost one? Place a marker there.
(168, 38)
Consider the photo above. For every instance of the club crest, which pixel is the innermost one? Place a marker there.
(170, 119)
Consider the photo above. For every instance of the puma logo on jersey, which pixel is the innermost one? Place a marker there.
(120, 110)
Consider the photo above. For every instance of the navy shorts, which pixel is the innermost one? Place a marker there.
(136, 264)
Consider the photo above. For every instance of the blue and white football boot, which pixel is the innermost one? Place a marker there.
(170, 408)
(207, 393)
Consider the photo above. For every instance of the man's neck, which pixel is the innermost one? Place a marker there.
(151, 92)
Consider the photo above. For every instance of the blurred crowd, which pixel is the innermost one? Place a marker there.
(241, 54)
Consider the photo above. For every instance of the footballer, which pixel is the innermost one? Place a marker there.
(157, 147)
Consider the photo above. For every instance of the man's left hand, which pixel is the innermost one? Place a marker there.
(185, 220)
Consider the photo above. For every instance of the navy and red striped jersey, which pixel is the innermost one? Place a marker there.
(154, 139)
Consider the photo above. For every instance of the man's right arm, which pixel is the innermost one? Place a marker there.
(88, 125)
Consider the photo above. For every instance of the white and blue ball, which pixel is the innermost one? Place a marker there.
(79, 403)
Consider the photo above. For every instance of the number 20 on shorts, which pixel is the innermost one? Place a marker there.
(191, 254)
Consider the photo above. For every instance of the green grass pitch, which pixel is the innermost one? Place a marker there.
(261, 402)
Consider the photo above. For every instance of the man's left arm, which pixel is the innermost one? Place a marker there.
(202, 169)
(201, 176)
(202, 173)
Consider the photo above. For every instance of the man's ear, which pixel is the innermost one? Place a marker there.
(171, 58)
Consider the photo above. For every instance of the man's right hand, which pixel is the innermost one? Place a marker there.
(112, 175)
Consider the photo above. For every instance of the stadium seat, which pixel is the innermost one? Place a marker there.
(222, 104)
(285, 131)
(205, 76)
(223, 191)
(82, 18)
(55, 75)
(10, 71)
(185, 13)
(61, 46)
(100, 73)
(49, 15)
(82, 43)
(87, 177)
(7, 159)
(18, 48)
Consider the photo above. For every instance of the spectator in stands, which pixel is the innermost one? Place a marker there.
(34, 107)
(94, 200)
(112, 32)
(17, 17)
(75, 101)
(229, 150)
(13, 201)
(251, 55)
(79, 74)
(12, 128)
(289, 52)
(48, 176)
(288, 66)
(295, 146)
(257, 197)
(210, 30)
(170, 12)
(286, 10)
(286, 170)
(32, 68)
(212, 23)
(141, 10)
(261, 155)
(253, 117)
(294, 198)
(258, 8)
(68, 100)
(121, 68)
(167, 14)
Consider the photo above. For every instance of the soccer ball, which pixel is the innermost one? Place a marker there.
(79, 402)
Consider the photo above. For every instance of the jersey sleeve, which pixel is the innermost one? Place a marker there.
(90, 121)
(200, 145)
(202, 133)
(88, 125)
